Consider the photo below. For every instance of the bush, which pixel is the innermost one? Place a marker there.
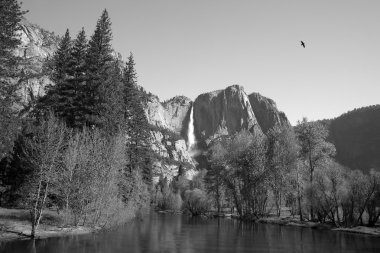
(167, 200)
(196, 202)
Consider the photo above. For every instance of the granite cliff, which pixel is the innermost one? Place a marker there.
(172, 114)
(36, 46)
(224, 112)
(266, 112)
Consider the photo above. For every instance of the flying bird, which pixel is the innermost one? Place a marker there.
(303, 44)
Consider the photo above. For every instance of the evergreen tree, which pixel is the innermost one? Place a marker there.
(77, 71)
(112, 115)
(98, 64)
(59, 97)
(61, 59)
(137, 128)
(10, 17)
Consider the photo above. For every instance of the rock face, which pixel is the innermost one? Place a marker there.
(266, 112)
(172, 114)
(169, 122)
(37, 44)
(167, 146)
(224, 112)
(171, 154)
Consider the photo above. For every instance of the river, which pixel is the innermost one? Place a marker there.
(175, 233)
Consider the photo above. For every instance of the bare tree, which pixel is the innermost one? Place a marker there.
(282, 160)
(44, 152)
(314, 150)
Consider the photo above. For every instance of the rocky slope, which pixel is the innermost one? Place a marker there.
(36, 46)
(172, 114)
(224, 112)
(266, 112)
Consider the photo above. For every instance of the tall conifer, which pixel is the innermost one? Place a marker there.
(77, 71)
(10, 17)
(59, 97)
(98, 63)
(137, 128)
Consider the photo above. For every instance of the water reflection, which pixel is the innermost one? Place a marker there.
(171, 233)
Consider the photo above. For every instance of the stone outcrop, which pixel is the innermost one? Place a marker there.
(166, 146)
(224, 112)
(266, 112)
(171, 152)
(169, 120)
(37, 44)
(172, 114)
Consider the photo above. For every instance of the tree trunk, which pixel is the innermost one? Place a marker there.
(299, 198)
(311, 183)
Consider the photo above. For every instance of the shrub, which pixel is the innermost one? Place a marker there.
(196, 202)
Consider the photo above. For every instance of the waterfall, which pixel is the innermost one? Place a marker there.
(190, 130)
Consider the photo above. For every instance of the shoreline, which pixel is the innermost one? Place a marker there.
(293, 222)
(288, 221)
(13, 230)
(21, 233)
(15, 225)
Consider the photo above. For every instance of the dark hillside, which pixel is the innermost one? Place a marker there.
(356, 135)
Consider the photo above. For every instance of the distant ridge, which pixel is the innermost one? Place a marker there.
(356, 135)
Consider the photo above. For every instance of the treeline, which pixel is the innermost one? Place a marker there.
(256, 176)
(83, 148)
(356, 136)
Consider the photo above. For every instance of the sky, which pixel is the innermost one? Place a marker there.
(196, 46)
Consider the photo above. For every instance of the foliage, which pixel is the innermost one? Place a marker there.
(10, 17)
(240, 163)
(315, 151)
(165, 198)
(196, 202)
(43, 151)
(356, 137)
(282, 159)
(137, 128)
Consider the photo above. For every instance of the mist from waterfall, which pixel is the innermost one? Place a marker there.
(190, 131)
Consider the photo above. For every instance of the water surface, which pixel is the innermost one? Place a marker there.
(175, 233)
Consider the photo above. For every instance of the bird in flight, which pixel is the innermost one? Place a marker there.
(303, 44)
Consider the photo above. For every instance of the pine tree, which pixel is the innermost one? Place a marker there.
(112, 115)
(98, 64)
(61, 59)
(137, 128)
(10, 17)
(59, 97)
(77, 70)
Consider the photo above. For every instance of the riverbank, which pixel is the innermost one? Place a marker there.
(290, 221)
(295, 222)
(14, 225)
